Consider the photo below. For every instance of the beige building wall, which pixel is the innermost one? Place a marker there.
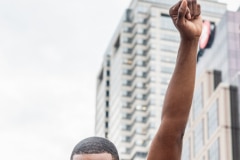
(209, 131)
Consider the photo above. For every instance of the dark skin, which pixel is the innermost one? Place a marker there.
(167, 143)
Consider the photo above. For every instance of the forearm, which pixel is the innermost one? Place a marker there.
(179, 94)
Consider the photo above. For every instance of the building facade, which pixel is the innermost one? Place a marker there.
(102, 99)
(213, 128)
(142, 56)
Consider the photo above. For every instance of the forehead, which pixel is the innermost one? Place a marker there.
(99, 156)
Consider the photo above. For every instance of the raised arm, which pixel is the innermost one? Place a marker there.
(167, 143)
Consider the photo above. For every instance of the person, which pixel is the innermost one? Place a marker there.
(167, 143)
(95, 148)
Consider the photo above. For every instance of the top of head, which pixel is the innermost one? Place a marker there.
(95, 145)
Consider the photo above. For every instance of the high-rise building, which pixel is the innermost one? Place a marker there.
(213, 129)
(142, 56)
(102, 99)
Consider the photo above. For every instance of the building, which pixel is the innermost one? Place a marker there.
(213, 128)
(142, 56)
(102, 99)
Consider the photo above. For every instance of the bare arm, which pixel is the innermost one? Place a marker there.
(167, 144)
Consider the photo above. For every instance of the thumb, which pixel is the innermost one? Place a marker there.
(182, 12)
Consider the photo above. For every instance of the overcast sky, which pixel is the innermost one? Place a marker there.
(50, 54)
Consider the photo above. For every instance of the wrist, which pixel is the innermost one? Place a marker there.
(190, 41)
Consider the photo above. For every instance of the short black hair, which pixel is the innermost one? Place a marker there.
(95, 145)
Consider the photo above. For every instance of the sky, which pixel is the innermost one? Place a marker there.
(50, 54)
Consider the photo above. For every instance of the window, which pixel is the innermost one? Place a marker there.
(141, 108)
(163, 90)
(198, 101)
(127, 71)
(106, 124)
(108, 63)
(198, 138)
(117, 43)
(140, 154)
(140, 41)
(127, 50)
(140, 85)
(153, 90)
(127, 61)
(107, 104)
(107, 93)
(126, 82)
(127, 29)
(106, 134)
(126, 93)
(139, 142)
(167, 69)
(140, 131)
(140, 63)
(142, 9)
(140, 74)
(140, 96)
(166, 23)
(213, 153)
(186, 150)
(139, 52)
(213, 119)
(152, 101)
(108, 73)
(126, 40)
(126, 104)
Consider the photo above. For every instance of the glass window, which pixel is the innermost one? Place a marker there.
(140, 52)
(213, 119)
(142, 9)
(186, 150)
(170, 37)
(153, 90)
(140, 41)
(127, 71)
(140, 154)
(127, 61)
(166, 23)
(140, 85)
(127, 29)
(126, 82)
(198, 138)
(108, 73)
(165, 58)
(141, 108)
(140, 63)
(167, 69)
(152, 79)
(168, 48)
(140, 30)
(140, 96)
(108, 83)
(141, 74)
(213, 153)
(152, 101)
(107, 93)
(126, 93)
(198, 101)
(163, 90)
